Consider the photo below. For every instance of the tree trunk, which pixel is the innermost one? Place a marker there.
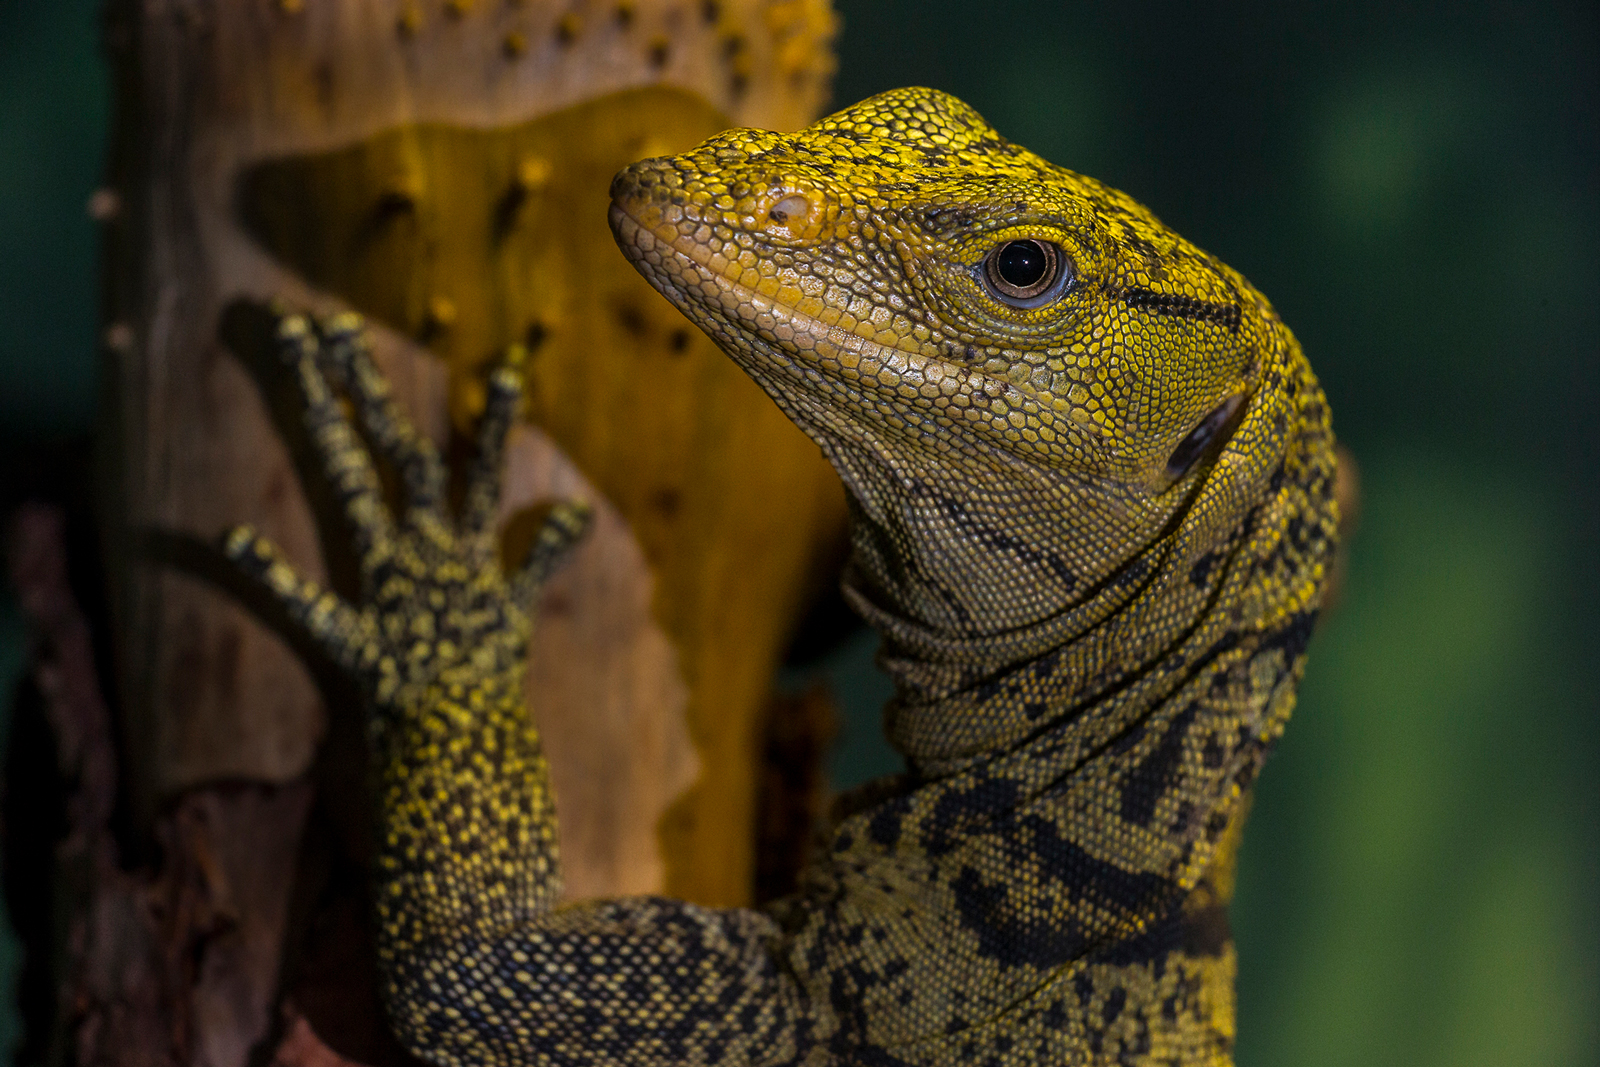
(442, 168)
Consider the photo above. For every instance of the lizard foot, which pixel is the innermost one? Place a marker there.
(434, 604)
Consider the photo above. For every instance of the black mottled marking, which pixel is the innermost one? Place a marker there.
(1138, 244)
(1125, 741)
(1194, 932)
(995, 685)
(1180, 306)
(1152, 777)
(1245, 776)
(1200, 573)
(948, 597)
(1134, 573)
(1293, 636)
(868, 1056)
(903, 568)
(1136, 1050)
(1045, 666)
(844, 994)
(1005, 932)
(1186, 996)
(954, 812)
(1010, 919)
(1226, 643)
(1115, 1002)
(999, 541)
(884, 826)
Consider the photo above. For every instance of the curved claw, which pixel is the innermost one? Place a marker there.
(563, 528)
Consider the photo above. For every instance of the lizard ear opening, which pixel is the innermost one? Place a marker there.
(1203, 436)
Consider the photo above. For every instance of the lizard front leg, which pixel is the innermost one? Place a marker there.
(437, 643)
(477, 966)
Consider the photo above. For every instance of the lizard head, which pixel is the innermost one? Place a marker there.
(1023, 377)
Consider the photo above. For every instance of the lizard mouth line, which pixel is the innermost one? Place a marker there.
(825, 337)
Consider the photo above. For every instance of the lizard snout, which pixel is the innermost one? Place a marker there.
(768, 203)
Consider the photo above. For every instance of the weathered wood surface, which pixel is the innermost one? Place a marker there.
(439, 166)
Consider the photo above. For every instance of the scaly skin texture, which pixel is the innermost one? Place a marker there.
(1092, 532)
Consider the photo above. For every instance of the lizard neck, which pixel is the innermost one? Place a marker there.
(1091, 765)
(1220, 584)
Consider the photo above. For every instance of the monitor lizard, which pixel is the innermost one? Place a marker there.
(1091, 485)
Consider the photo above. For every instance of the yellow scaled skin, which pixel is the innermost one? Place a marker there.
(1092, 531)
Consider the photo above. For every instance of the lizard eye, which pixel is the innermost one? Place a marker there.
(1026, 274)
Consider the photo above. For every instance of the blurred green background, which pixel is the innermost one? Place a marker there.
(1415, 186)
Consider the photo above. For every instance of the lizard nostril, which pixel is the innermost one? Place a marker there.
(791, 210)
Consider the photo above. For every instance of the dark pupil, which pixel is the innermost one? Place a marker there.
(1022, 263)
